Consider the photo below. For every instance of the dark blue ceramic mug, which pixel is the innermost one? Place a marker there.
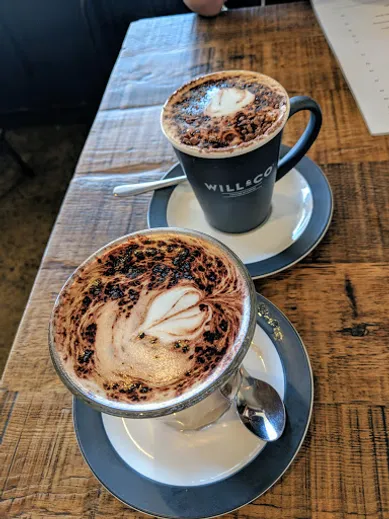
(235, 189)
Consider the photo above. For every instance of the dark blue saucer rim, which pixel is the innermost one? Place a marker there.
(173, 502)
(315, 231)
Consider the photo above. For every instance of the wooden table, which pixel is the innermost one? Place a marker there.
(337, 297)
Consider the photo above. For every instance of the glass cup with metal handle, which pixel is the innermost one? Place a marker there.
(193, 407)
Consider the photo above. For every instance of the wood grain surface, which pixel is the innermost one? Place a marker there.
(338, 297)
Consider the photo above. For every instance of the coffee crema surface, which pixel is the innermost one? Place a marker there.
(225, 111)
(150, 318)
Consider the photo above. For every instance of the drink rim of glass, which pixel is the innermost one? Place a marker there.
(231, 151)
(188, 398)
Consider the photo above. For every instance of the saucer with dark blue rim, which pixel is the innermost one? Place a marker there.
(135, 462)
(300, 215)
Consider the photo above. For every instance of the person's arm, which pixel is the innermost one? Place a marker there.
(205, 7)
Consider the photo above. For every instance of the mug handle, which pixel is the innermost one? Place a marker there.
(312, 130)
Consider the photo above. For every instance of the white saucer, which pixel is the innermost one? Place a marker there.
(225, 494)
(212, 454)
(292, 207)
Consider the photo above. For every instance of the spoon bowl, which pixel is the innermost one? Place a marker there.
(260, 408)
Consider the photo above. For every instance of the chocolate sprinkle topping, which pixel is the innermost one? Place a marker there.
(125, 281)
(186, 119)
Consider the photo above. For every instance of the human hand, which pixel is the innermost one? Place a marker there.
(205, 7)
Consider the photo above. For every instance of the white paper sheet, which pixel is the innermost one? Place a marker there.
(358, 33)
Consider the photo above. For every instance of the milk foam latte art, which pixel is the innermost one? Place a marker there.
(225, 113)
(151, 321)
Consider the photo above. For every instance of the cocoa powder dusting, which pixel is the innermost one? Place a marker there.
(135, 272)
(186, 120)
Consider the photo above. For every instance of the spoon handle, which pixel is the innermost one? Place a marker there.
(137, 189)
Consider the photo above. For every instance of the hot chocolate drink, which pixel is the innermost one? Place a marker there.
(150, 318)
(225, 111)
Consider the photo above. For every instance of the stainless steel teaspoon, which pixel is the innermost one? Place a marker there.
(137, 189)
(260, 408)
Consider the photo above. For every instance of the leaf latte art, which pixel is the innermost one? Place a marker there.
(150, 318)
